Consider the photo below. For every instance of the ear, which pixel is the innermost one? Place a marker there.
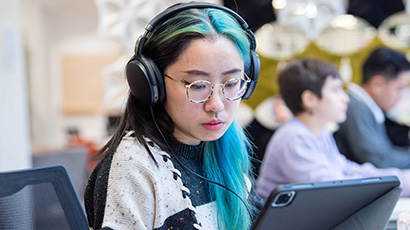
(376, 84)
(309, 100)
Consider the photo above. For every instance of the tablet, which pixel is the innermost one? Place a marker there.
(320, 205)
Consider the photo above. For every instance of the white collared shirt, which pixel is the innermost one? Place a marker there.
(359, 93)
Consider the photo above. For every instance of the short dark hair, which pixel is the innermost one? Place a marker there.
(301, 75)
(386, 62)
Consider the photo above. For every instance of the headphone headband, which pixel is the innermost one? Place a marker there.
(197, 5)
(139, 46)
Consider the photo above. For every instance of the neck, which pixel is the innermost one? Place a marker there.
(312, 122)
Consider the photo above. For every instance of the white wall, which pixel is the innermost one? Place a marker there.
(15, 150)
(51, 24)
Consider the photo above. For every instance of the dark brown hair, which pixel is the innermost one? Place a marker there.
(386, 62)
(304, 74)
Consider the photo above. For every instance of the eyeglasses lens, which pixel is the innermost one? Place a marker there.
(200, 91)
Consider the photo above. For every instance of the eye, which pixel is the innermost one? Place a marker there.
(338, 88)
(200, 85)
(186, 82)
(232, 83)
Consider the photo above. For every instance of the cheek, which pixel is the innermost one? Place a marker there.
(181, 109)
(232, 108)
(175, 101)
(399, 93)
(392, 96)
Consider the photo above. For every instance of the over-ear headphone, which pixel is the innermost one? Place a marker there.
(146, 81)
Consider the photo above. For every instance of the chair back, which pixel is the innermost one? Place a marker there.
(40, 198)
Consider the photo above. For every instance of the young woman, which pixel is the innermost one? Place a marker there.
(302, 150)
(179, 159)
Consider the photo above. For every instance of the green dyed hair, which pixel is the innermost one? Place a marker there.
(227, 159)
(168, 40)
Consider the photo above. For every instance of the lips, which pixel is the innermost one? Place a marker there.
(214, 125)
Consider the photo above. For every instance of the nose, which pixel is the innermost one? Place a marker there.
(215, 102)
(345, 97)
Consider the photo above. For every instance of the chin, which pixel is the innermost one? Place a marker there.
(386, 110)
(341, 120)
(212, 136)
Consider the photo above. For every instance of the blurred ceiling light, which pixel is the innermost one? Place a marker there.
(311, 10)
(279, 4)
(280, 42)
(346, 21)
(300, 9)
(403, 31)
(307, 9)
(312, 16)
(346, 35)
(395, 31)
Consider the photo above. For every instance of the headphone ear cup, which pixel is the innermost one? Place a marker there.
(253, 74)
(145, 81)
(157, 76)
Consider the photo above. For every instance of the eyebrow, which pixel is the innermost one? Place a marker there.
(203, 73)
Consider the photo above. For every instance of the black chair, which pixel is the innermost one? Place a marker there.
(74, 160)
(40, 198)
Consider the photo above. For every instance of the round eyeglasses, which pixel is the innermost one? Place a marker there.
(201, 90)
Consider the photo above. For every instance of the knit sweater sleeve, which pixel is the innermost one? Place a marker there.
(134, 190)
(130, 201)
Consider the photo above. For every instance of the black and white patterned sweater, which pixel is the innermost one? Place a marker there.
(127, 190)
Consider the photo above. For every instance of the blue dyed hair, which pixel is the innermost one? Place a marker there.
(229, 168)
(227, 159)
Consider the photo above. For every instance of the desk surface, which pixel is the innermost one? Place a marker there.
(403, 205)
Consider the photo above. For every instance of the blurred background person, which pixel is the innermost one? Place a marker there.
(363, 136)
(302, 149)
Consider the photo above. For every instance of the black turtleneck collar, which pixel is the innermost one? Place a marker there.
(193, 152)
